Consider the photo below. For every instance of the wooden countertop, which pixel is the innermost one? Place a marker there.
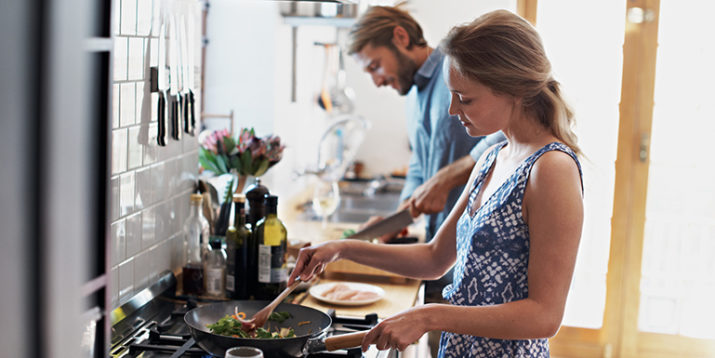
(399, 296)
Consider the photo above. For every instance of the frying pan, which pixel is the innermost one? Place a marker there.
(309, 337)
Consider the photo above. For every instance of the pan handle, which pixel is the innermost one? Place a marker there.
(344, 341)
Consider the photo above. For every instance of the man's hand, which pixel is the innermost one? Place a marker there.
(431, 196)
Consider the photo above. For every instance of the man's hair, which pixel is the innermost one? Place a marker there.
(376, 25)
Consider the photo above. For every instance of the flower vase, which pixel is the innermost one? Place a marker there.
(241, 181)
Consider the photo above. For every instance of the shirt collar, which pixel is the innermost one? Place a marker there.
(429, 68)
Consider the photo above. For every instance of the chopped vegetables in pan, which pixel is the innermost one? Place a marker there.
(230, 326)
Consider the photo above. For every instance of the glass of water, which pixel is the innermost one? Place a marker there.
(326, 198)
(244, 352)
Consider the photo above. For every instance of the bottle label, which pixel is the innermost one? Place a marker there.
(230, 283)
(214, 281)
(271, 264)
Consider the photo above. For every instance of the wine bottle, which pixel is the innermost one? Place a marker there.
(256, 195)
(238, 237)
(195, 230)
(272, 245)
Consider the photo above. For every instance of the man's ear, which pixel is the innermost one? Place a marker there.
(400, 38)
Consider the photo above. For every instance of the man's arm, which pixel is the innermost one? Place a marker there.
(431, 197)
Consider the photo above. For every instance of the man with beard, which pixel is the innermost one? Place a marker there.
(389, 45)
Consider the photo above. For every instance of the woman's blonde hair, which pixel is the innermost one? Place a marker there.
(376, 25)
(504, 52)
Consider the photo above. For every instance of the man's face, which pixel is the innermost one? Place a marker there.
(387, 66)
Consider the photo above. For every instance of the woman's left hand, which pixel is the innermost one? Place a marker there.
(398, 331)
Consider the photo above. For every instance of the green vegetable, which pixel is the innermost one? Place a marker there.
(348, 233)
(279, 316)
(228, 326)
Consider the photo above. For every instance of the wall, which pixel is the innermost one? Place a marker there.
(258, 44)
(150, 185)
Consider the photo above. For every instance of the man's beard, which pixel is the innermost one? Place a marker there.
(406, 69)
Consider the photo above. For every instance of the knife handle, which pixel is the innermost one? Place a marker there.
(192, 113)
(175, 129)
(185, 118)
(161, 119)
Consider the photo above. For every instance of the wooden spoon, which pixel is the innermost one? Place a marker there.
(260, 318)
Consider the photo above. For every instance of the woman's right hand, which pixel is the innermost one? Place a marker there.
(312, 260)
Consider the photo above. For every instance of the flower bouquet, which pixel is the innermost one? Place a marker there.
(246, 155)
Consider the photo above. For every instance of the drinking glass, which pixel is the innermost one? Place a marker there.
(244, 352)
(326, 199)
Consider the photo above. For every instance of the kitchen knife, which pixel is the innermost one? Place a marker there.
(185, 94)
(190, 82)
(163, 87)
(388, 225)
(174, 95)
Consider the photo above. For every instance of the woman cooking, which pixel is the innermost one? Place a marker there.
(514, 233)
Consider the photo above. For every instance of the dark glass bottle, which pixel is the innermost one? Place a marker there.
(237, 239)
(195, 231)
(272, 245)
(255, 195)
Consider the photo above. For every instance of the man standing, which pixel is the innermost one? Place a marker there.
(389, 45)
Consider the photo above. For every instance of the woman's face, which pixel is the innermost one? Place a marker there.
(479, 109)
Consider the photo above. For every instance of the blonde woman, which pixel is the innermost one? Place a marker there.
(514, 233)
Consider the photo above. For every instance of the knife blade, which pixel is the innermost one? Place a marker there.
(186, 104)
(190, 82)
(162, 86)
(391, 224)
(174, 95)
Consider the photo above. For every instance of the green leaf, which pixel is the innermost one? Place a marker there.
(221, 163)
(206, 159)
(235, 163)
(246, 163)
(229, 144)
(228, 195)
(262, 167)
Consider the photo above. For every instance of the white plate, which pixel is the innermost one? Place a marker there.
(317, 293)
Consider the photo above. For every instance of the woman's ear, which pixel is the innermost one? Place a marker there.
(400, 38)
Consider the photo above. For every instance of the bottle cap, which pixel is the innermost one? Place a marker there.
(271, 200)
(239, 198)
(215, 243)
(196, 198)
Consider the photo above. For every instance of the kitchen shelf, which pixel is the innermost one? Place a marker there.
(319, 21)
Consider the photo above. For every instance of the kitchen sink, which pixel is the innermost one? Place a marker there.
(361, 200)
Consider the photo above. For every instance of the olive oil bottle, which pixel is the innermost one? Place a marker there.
(272, 244)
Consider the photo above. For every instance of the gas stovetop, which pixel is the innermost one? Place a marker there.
(152, 325)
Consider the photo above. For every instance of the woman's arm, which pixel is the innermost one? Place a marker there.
(553, 209)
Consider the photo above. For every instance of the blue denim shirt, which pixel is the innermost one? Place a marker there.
(437, 139)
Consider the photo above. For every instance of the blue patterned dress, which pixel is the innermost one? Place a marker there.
(492, 260)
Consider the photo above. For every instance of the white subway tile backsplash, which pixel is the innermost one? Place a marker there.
(114, 198)
(126, 194)
(114, 286)
(150, 185)
(127, 104)
(120, 58)
(134, 157)
(148, 227)
(144, 8)
(118, 242)
(119, 150)
(115, 106)
(133, 234)
(159, 177)
(145, 189)
(128, 24)
(126, 280)
(142, 268)
(136, 59)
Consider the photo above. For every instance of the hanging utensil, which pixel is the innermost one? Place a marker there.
(163, 87)
(190, 74)
(185, 83)
(174, 94)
